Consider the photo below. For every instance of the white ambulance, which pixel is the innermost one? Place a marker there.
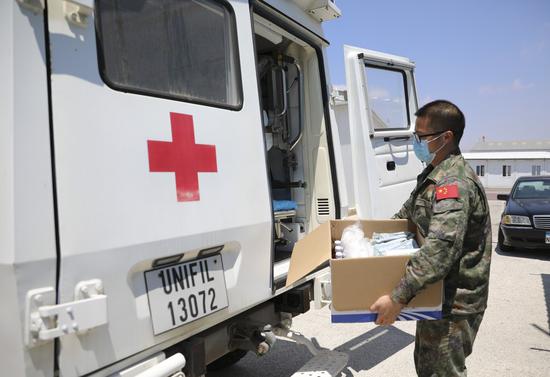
(158, 161)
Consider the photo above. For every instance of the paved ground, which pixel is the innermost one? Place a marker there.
(514, 338)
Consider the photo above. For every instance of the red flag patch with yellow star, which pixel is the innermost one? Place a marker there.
(446, 192)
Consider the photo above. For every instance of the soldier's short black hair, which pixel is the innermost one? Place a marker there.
(443, 115)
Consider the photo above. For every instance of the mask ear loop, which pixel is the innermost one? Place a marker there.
(441, 147)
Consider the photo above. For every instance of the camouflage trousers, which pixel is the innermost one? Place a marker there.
(441, 346)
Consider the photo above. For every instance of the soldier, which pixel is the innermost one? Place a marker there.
(451, 212)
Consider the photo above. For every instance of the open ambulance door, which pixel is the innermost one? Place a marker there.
(381, 105)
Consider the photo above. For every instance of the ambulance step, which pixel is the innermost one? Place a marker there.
(325, 364)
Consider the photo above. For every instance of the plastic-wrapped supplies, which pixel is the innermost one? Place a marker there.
(404, 245)
(385, 237)
(354, 244)
(399, 243)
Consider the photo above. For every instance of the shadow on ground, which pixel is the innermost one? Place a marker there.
(283, 360)
(365, 352)
(546, 289)
(542, 254)
(375, 346)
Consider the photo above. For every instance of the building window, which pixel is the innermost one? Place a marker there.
(178, 49)
(535, 170)
(480, 170)
(506, 170)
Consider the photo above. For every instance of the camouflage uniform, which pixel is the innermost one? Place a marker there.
(457, 232)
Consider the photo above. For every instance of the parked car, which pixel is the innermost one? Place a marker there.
(525, 221)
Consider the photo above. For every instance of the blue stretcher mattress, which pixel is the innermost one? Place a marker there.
(284, 205)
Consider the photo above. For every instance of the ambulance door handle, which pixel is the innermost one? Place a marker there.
(285, 104)
(390, 165)
(392, 138)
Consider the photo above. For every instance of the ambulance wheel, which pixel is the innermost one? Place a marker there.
(501, 246)
(227, 360)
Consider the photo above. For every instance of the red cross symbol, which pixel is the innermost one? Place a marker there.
(183, 157)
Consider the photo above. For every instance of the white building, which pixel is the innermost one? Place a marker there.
(499, 163)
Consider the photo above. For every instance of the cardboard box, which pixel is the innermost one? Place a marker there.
(358, 282)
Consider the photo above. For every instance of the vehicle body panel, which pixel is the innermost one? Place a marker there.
(27, 225)
(524, 237)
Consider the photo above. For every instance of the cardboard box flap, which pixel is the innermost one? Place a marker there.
(309, 253)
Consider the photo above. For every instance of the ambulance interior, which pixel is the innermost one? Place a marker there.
(293, 126)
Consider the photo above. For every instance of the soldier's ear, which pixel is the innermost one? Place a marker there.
(449, 136)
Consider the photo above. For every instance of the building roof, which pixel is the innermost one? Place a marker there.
(520, 145)
(509, 155)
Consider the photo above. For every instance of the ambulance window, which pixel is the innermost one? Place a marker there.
(181, 49)
(388, 98)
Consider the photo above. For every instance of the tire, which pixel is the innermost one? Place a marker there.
(227, 360)
(501, 246)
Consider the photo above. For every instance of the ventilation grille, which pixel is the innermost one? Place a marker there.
(323, 207)
(542, 222)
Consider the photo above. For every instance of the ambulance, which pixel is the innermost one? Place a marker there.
(160, 159)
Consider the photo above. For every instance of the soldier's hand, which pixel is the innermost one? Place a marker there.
(387, 309)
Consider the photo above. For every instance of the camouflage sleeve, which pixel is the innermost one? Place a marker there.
(405, 211)
(442, 247)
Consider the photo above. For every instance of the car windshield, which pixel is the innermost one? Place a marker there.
(536, 189)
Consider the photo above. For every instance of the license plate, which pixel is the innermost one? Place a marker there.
(547, 238)
(185, 292)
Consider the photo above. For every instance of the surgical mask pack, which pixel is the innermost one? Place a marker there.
(401, 243)
(354, 244)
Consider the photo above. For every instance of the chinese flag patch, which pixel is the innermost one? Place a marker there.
(446, 192)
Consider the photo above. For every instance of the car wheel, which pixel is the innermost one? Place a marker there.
(501, 246)
(227, 360)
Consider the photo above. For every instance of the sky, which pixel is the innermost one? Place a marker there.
(491, 58)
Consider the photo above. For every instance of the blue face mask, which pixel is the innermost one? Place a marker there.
(422, 151)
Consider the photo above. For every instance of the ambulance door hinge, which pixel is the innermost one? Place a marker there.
(46, 321)
(338, 97)
(35, 6)
(78, 12)
(333, 96)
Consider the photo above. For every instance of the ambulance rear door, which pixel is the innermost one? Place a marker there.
(162, 192)
(382, 101)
